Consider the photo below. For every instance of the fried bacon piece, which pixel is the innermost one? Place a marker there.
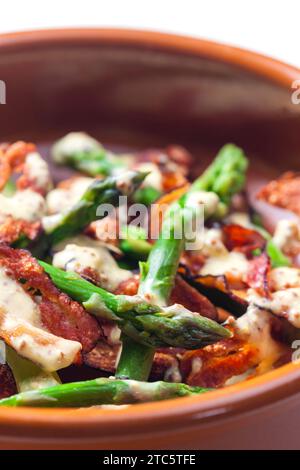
(283, 192)
(91, 275)
(60, 315)
(129, 286)
(213, 365)
(192, 261)
(242, 239)
(191, 299)
(12, 230)
(217, 290)
(173, 162)
(182, 294)
(7, 382)
(103, 356)
(12, 158)
(180, 156)
(258, 274)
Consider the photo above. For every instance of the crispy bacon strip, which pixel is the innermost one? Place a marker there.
(258, 274)
(129, 286)
(61, 315)
(191, 299)
(213, 365)
(103, 356)
(7, 382)
(217, 290)
(242, 239)
(12, 230)
(283, 192)
(12, 158)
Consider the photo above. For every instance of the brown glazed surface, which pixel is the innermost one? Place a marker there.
(137, 89)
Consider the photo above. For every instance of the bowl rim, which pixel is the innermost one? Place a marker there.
(241, 398)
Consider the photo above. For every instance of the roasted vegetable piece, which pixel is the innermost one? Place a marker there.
(101, 392)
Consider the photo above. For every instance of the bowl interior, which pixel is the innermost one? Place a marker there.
(137, 90)
(134, 90)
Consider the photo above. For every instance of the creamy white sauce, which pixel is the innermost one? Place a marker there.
(255, 326)
(235, 379)
(154, 179)
(76, 257)
(232, 262)
(218, 259)
(287, 236)
(124, 183)
(240, 218)
(197, 364)
(74, 142)
(20, 326)
(38, 171)
(27, 205)
(50, 222)
(61, 199)
(284, 277)
(208, 200)
(283, 303)
(173, 373)
(213, 243)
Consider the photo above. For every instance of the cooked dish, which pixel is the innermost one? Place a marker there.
(139, 283)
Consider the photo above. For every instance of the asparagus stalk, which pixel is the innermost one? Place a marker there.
(134, 243)
(27, 375)
(147, 324)
(81, 152)
(224, 177)
(84, 153)
(108, 191)
(101, 391)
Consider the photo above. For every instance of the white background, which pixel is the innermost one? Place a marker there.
(271, 27)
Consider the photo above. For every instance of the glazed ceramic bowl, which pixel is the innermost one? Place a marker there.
(137, 89)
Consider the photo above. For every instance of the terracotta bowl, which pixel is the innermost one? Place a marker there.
(133, 90)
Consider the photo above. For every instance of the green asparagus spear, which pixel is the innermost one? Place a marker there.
(27, 375)
(147, 195)
(134, 243)
(147, 324)
(101, 392)
(224, 177)
(108, 191)
(81, 152)
(84, 153)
